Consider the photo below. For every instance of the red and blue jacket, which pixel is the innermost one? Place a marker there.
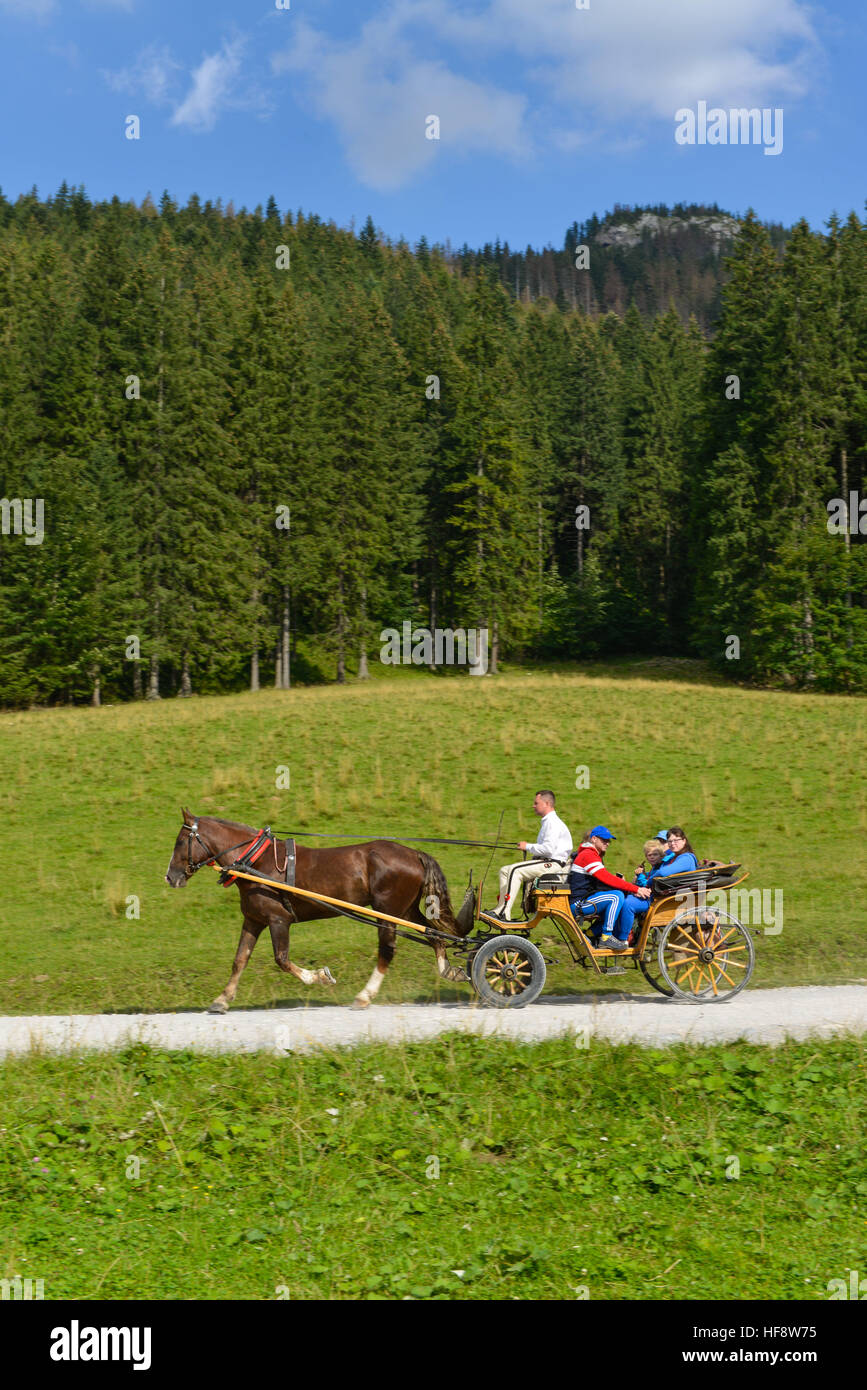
(589, 875)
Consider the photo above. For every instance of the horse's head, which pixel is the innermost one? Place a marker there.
(190, 852)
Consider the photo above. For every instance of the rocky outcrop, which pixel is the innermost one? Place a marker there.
(717, 227)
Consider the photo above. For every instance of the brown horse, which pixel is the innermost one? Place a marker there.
(380, 874)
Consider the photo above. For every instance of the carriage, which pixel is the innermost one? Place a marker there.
(687, 945)
(686, 948)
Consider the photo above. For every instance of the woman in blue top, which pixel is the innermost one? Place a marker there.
(679, 858)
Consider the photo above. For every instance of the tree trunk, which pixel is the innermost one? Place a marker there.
(541, 603)
(810, 675)
(278, 669)
(844, 493)
(153, 680)
(95, 699)
(286, 676)
(136, 680)
(581, 531)
(363, 673)
(495, 647)
(341, 623)
(254, 655)
(186, 689)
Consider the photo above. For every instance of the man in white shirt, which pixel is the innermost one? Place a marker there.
(551, 851)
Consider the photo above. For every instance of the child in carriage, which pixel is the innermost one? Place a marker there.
(655, 852)
(678, 858)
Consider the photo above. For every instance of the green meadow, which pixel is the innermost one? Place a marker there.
(90, 807)
(465, 1168)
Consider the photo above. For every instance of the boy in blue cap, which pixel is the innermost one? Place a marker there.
(591, 883)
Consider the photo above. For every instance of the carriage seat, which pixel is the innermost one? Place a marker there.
(558, 879)
(711, 875)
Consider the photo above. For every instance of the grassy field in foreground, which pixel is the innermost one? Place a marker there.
(464, 1168)
(89, 809)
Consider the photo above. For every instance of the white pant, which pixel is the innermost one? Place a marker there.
(514, 876)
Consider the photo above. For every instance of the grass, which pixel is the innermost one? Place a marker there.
(463, 1168)
(90, 801)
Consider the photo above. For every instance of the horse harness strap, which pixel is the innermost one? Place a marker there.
(254, 850)
(290, 860)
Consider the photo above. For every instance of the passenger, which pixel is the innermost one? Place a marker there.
(588, 871)
(655, 852)
(551, 851)
(679, 858)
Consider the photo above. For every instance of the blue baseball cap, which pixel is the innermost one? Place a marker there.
(662, 834)
(603, 833)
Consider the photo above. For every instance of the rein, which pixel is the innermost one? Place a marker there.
(413, 839)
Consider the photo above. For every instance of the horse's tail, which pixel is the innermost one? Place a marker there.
(437, 903)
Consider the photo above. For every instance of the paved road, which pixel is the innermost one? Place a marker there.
(762, 1015)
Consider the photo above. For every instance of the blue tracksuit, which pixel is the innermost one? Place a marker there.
(632, 905)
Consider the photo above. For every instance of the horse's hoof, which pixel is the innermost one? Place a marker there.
(326, 977)
(360, 1004)
(218, 1007)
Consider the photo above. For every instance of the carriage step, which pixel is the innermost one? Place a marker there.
(612, 969)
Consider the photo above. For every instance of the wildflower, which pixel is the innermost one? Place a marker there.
(332, 1112)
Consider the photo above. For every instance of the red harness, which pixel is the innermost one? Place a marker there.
(249, 854)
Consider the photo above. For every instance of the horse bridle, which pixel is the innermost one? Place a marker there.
(211, 857)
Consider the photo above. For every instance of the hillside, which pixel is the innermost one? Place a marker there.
(652, 256)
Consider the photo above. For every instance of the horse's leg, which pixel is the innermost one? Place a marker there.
(387, 938)
(453, 973)
(279, 928)
(249, 936)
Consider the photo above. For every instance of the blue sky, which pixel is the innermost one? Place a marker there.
(547, 112)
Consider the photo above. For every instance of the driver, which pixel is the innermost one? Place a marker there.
(551, 851)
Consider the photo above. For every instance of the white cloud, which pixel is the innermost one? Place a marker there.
(153, 74)
(214, 85)
(213, 82)
(573, 75)
(640, 55)
(41, 9)
(29, 9)
(378, 94)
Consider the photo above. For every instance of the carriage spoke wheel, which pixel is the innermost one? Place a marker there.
(648, 963)
(508, 972)
(705, 956)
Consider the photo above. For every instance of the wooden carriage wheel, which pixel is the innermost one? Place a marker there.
(508, 972)
(705, 956)
(648, 962)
